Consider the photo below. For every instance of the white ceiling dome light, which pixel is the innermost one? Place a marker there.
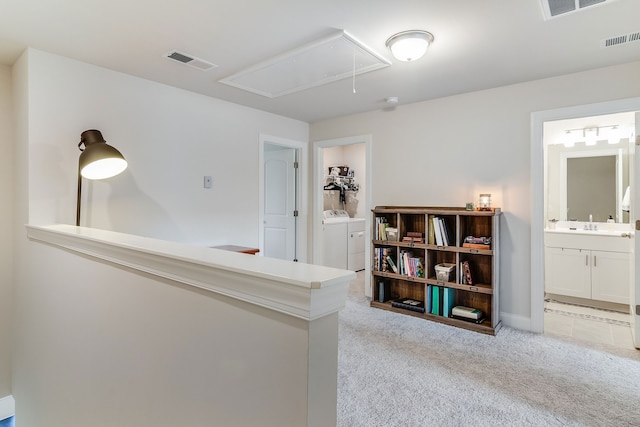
(410, 45)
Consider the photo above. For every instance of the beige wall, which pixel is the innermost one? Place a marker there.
(6, 219)
(446, 151)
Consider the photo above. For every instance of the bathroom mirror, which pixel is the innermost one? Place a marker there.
(593, 187)
(590, 183)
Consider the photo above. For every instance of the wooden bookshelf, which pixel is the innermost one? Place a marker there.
(431, 250)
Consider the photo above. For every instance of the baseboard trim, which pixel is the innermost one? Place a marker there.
(516, 322)
(7, 407)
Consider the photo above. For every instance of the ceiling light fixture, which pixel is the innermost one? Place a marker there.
(410, 45)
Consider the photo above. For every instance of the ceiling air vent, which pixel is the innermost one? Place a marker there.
(554, 8)
(619, 40)
(190, 60)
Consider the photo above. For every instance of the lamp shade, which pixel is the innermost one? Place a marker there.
(409, 45)
(99, 160)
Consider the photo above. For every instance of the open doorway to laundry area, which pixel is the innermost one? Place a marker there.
(282, 199)
(584, 255)
(342, 204)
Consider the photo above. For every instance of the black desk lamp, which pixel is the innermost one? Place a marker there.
(98, 160)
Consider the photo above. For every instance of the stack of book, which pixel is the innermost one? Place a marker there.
(409, 304)
(413, 237)
(477, 242)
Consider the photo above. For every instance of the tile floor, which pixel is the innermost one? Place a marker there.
(588, 324)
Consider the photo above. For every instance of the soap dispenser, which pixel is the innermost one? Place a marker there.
(610, 220)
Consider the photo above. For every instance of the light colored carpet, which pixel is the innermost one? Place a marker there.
(396, 370)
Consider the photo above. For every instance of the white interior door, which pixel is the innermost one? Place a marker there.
(635, 218)
(280, 203)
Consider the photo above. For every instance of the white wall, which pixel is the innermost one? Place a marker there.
(171, 138)
(126, 345)
(6, 239)
(446, 151)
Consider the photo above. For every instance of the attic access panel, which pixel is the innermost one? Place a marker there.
(324, 61)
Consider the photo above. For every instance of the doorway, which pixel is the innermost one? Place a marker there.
(282, 198)
(360, 210)
(587, 285)
(538, 214)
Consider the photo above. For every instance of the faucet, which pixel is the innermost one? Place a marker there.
(590, 225)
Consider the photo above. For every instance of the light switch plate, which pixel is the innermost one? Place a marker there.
(208, 181)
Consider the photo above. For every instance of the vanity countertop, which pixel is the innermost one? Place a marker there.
(614, 240)
(599, 232)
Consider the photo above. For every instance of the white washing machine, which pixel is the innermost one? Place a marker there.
(342, 240)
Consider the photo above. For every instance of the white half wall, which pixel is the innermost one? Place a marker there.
(144, 332)
(446, 151)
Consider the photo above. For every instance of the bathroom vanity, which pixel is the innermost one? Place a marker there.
(589, 260)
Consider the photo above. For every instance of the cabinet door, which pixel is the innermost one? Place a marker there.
(567, 272)
(610, 278)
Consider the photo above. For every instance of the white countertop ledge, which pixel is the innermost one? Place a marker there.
(301, 290)
(603, 232)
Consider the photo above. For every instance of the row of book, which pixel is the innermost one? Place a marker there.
(441, 233)
(439, 302)
(383, 231)
(381, 259)
(407, 264)
(410, 265)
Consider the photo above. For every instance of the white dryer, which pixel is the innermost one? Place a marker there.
(342, 240)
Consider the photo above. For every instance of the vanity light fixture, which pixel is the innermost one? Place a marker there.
(591, 136)
(98, 160)
(409, 45)
(568, 139)
(615, 135)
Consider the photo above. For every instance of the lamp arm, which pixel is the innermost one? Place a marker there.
(79, 197)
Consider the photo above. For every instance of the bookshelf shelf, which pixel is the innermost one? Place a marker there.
(422, 244)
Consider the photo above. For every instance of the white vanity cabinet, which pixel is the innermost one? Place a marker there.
(593, 266)
(610, 278)
(567, 272)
